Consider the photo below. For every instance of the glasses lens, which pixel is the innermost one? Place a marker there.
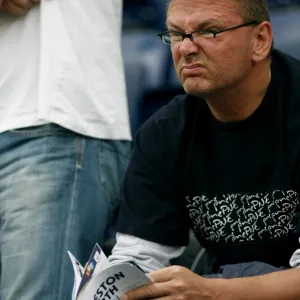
(166, 37)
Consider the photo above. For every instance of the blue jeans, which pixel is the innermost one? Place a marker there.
(248, 269)
(58, 192)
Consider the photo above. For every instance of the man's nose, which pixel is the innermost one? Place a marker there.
(187, 47)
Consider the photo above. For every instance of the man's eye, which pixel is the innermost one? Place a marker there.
(175, 35)
(208, 33)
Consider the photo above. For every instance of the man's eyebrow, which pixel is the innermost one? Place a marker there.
(170, 24)
(208, 22)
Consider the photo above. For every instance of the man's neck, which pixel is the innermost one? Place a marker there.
(241, 102)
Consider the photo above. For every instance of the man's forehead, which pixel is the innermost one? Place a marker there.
(202, 5)
(217, 10)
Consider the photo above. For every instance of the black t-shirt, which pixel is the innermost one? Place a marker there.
(235, 184)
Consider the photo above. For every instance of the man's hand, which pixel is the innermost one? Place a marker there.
(17, 7)
(178, 283)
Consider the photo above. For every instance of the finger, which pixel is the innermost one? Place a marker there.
(166, 298)
(151, 291)
(14, 9)
(166, 274)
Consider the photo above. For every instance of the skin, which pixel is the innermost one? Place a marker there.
(17, 7)
(235, 63)
(178, 283)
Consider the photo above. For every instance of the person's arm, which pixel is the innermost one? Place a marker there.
(152, 207)
(180, 283)
(148, 255)
(283, 285)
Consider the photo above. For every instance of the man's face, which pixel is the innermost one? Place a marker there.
(207, 66)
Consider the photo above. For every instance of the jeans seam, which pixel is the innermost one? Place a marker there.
(102, 146)
(80, 145)
(101, 177)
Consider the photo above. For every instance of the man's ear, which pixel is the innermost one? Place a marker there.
(263, 41)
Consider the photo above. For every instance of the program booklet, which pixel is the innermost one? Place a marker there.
(99, 280)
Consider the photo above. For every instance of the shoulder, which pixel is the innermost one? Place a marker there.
(173, 110)
(286, 71)
(288, 76)
(287, 66)
(159, 139)
(170, 120)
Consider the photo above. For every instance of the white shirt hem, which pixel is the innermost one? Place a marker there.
(109, 132)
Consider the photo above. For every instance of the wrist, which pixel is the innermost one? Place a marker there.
(243, 288)
(223, 289)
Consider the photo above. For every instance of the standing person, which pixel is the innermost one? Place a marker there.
(222, 159)
(64, 142)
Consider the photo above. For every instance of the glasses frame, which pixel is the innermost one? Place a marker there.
(214, 32)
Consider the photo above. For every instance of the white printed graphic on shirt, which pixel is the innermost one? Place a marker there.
(232, 218)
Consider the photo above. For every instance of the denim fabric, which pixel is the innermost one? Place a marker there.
(254, 268)
(58, 191)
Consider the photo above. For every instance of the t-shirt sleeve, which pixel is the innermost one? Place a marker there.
(151, 207)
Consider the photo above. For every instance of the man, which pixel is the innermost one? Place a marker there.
(64, 142)
(223, 160)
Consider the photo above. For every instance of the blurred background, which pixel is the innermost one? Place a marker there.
(150, 77)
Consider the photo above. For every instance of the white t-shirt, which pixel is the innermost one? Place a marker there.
(62, 63)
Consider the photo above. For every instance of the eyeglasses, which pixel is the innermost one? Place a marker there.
(172, 37)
